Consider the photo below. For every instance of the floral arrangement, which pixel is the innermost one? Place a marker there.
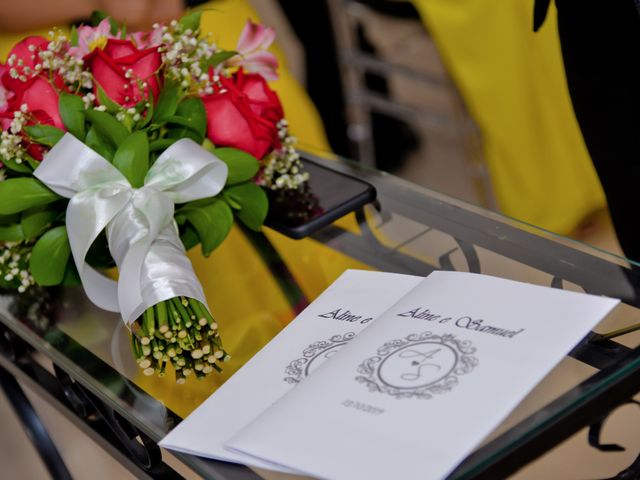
(126, 149)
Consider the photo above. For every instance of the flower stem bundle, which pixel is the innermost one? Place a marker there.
(179, 331)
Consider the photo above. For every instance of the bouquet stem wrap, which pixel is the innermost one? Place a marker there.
(141, 232)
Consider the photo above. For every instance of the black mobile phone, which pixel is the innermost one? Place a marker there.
(327, 196)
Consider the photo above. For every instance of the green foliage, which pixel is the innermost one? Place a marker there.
(104, 99)
(11, 233)
(12, 165)
(191, 21)
(148, 115)
(108, 127)
(36, 220)
(73, 116)
(167, 103)
(74, 36)
(99, 144)
(212, 222)
(189, 237)
(132, 158)
(44, 134)
(71, 277)
(242, 166)
(49, 257)
(217, 58)
(19, 194)
(250, 203)
(191, 120)
(161, 144)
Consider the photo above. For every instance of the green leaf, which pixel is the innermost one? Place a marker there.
(104, 99)
(71, 277)
(49, 257)
(10, 219)
(148, 114)
(12, 165)
(99, 144)
(217, 58)
(11, 233)
(167, 103)
(192, 116)
(161, 144)
(74, 36)
(33, 163)
(19, 194)
(212, 222)
(253, 202)
(97, 16)
(178, 120)
(36, 220)
(44, 134)
(242, 166)
(191, 21)
(72, 113)
(132, 158)
(208, 145)
(189, 237)
(108, 127)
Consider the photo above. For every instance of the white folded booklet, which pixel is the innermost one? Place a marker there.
(349, 305)
(416, 391)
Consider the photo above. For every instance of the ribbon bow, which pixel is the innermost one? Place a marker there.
(142, 235)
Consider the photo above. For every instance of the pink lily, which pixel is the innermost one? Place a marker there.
(150, 39)
(90, 38)
(252, 46)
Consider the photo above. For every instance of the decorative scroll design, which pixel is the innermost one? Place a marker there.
(314, 355)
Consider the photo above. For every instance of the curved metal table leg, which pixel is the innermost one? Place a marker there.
(33, 426)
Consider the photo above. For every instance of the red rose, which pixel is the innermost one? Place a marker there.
(262, 100)
(243, 114)
(41, 100)
(22, 60)
(110, 65)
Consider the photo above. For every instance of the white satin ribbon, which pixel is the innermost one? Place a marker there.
(142, 235)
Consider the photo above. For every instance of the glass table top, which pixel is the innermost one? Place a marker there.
(257, 283)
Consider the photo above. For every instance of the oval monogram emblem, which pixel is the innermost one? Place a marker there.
(418, 366)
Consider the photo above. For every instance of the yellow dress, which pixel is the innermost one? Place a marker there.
(513, 83)
(242, 293)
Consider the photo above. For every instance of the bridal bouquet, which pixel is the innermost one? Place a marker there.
(124, 149)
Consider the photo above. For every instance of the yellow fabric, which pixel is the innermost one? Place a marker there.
(513, 83)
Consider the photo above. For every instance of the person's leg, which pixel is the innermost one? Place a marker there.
(600, 42)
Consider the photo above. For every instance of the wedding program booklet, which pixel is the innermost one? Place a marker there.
(416, 390)
(345, 308)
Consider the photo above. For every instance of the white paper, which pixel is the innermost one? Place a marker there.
(413, 394)
(354, 299)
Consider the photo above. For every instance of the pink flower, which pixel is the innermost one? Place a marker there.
(147, 39)
(90, 38)
(252, 46)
